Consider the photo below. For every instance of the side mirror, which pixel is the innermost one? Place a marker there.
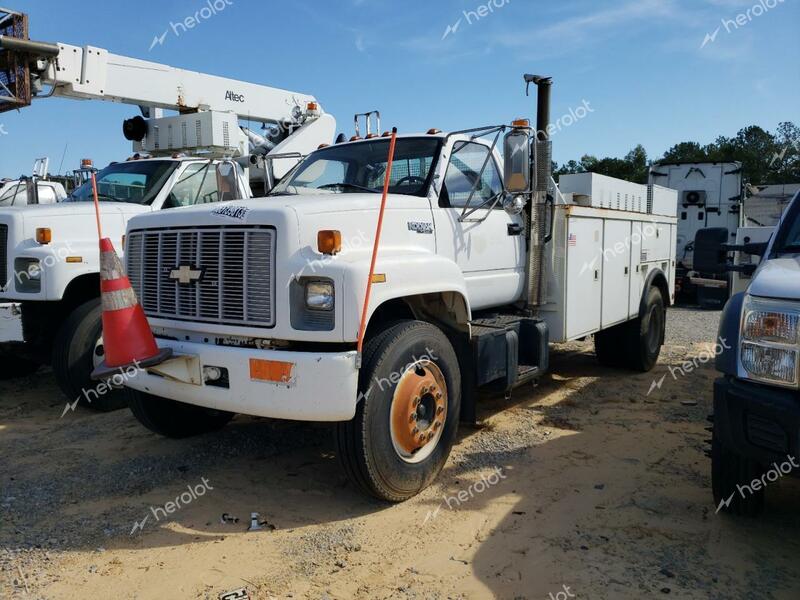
(514, 204)
(756, 248)
(517, 161)
(711, 251)
(227, 182)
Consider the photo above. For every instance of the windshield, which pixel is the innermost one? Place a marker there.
(361, 167)
(135, 182)
(789, 235)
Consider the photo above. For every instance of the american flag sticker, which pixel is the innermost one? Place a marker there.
(572, 240)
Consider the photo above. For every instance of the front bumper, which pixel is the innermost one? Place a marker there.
(10, 323)
(323, 386)
(757, 421)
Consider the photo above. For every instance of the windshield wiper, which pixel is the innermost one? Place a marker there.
(347, 185)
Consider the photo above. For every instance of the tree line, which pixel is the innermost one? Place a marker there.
(766, 157)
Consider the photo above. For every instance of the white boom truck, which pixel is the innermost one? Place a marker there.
(49, 254)
(709, 195)
(261, 302)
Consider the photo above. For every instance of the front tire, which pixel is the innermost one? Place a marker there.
(75, 355)
(174, 419)
(407, 419)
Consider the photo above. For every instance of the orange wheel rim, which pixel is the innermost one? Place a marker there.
(419, 411)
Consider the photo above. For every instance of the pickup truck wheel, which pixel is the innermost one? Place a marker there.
(174, 419)
(407, 419)
(75, 354)
(729, 470)
(646, 334)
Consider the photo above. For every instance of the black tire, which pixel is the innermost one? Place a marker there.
(13, 367)
(174, 419)
(73, 359)
(646, 334)
(729, 470)
(365, 445)
(610, 346)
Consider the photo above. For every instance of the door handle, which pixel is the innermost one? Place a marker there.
(514, 229)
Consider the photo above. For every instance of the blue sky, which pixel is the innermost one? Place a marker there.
(638, 64)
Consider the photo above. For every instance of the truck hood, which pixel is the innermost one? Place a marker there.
(72, 209)
(778, 278)
(263, 211)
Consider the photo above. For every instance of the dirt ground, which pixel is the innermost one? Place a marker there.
(588, 486)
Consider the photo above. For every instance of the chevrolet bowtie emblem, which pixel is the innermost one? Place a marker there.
(186, 275)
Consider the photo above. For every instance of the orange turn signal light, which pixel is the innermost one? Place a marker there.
(44, 235)
(329, 241)
(312, 107)
(521, 123)
(274, 371)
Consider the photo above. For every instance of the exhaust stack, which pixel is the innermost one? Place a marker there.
(541, 184)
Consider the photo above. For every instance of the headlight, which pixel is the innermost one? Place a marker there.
(769, 349)
(319, 295)
(28, 275)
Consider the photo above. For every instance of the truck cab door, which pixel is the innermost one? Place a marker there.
(489, 243)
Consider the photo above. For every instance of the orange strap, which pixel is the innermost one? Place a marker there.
(96, 206)
(362, 328)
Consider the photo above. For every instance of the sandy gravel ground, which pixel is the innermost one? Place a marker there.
(585, 487)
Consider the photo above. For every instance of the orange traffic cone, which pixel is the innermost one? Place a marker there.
(127, 338)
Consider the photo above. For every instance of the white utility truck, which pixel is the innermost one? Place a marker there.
(481, 265)
(49, 254)
(709, 195)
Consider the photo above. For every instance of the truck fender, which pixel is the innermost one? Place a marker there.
(729, 335)
(402, 281)
(656, 278)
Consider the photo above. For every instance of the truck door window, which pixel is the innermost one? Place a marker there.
(46, 194)
(14, 196)
(201, 183)
(462, 173)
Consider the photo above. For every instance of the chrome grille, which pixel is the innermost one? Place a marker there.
(4, 256)
(237, 282)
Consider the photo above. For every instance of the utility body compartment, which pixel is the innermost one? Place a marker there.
(598, 264)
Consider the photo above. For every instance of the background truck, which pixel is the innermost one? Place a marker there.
(482, 263)
(756, 420)
(709, 195)
(49, 254)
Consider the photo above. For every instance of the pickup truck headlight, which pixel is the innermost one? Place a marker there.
(769, 349)
(28, 275)
(319, 295)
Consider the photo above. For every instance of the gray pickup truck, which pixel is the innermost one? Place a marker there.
(756, 420)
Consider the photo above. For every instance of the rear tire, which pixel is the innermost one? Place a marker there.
(410, 390)
(74, 350)
(646, 334)
(174, 419)
(729, 470)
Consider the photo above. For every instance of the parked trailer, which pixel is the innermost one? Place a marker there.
(480, 266)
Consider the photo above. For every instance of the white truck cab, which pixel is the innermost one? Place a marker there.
(49, 259)
(261, 302)
(15, 192)
(757, 398)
